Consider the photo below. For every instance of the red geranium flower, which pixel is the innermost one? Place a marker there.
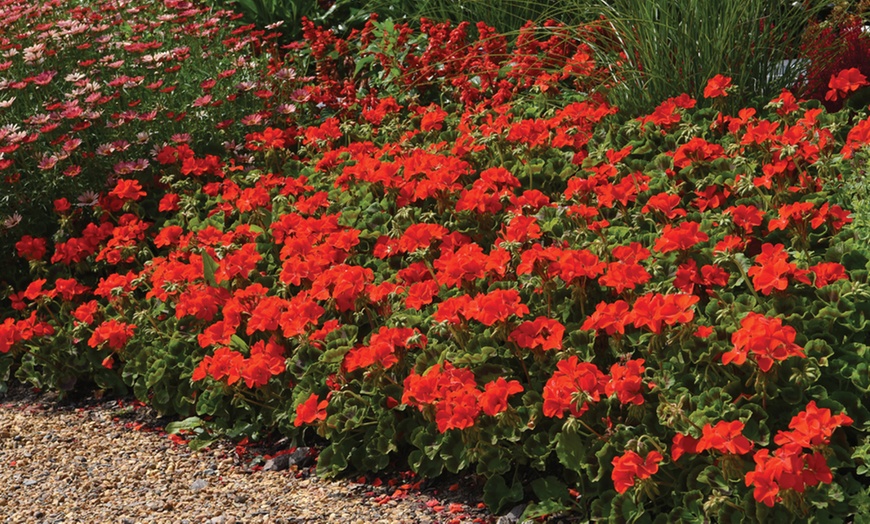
(113, 332)
(765, 338)
(845, 82)
(495, 395)
(717, 86)
(725, 437)
(128, 190)
(631, 467)
(543, 333)
(680, 238)
(311, 410)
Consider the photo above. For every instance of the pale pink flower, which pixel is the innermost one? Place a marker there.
(254, 119)
(202, 101)
(72, 144)
(47, 162)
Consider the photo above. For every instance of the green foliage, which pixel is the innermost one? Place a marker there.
(675, 46)
(447, 258)
(284, 16)
(506, 16)
(88, 104)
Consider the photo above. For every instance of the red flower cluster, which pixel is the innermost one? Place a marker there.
(790, 467)
(772, 270)
(541, 334)
(697, 151)
(766, 339)
(725, 437)
(114, 333)
(12, 331)
(383, 348)
(845, 82)
(631, 467)
(30, 248)
(455, 396)
(266, 360)
(680, 238)
(717, 86)
(650, 310)
(486, 308)
(575, 384)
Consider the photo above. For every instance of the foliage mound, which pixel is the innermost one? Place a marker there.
(445, 258)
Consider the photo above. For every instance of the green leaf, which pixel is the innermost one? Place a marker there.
(712, 476)
(571, 450)
(209, 266)
(334, 356)
(198, 443)
(333, 459)
(536, 510)
(237, 342)
(188, 424)
(538, 448)
(156, 373)
(363, 62)
(453, 451)
(550, 488)
(498, 496)
(624, 506)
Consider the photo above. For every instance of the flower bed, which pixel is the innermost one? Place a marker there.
(445, 258)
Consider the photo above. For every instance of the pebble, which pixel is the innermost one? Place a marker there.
(198, 485)
(91, 468)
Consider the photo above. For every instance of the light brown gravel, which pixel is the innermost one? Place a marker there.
(98, 461)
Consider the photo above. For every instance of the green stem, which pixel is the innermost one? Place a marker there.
(746, 279)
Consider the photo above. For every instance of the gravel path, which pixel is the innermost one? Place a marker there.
(107, 461)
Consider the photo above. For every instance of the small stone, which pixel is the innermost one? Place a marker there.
(198, 485)
(279, 463)
(30, 482)
(301, 457)
(513, 516)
